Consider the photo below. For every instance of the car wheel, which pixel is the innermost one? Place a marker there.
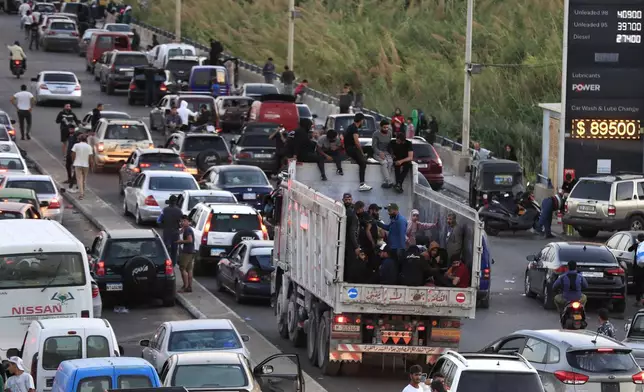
(588, 233)
(219, 286)
(109, 88)
(636, 223)
(125, 211)
(548, 298)
(484, 303)
(527, 287)
(138, 218)
(619, 306)
(239, 297)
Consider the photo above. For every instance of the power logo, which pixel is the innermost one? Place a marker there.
(580, 87)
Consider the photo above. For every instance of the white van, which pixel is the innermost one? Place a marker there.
(44, 273)
(160, 54)
(49, 342)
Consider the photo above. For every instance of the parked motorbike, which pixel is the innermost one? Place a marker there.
(17, 68)
(511, 213)
(573, 316)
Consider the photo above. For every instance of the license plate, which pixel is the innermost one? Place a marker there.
(346, 328)
(250, 196)
(263, 156)
(114, 287)
(422, 165)
(126, 146)
(610, 387)
(576, 316)
(60, 91)
(193, 170)
(586, 208)
(216, 252)
(593, 274)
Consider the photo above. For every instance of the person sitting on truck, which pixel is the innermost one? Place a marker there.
(458, 274)
(380, 144)
(396, 231)
(403, 155)
(388, 271)
(329, 148)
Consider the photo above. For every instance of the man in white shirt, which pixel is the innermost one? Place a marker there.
(22, 10)
(24, 102)
(415, 373)
(19, 381)
(185, 113)
(81, 153)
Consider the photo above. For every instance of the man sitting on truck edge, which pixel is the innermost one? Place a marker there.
(403, 155)
(329, 147)
(380, 144)
(354, 149)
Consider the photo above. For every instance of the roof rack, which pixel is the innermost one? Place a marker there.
(457, 356)
(513, 356)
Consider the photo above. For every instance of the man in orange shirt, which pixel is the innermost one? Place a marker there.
(458, 274)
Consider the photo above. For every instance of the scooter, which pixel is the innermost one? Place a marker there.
(573, 316)
(17, 68)
(510, 214)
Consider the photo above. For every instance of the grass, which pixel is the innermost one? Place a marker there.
(407, 58)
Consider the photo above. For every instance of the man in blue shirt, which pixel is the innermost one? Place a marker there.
(572, 282)
(397, 231)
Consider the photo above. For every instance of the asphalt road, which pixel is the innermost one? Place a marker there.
(510, 310)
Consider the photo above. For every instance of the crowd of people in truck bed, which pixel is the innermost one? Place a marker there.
(400, 252)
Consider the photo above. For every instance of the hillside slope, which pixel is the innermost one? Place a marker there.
(403, 58)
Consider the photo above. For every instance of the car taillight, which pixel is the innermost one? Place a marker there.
(136, 170)
(12, 132)
(252, 276)
(340, 319)
(571, 378)
(144, 165)
(77, 88)
(561, 270)
(84, 314)
(94, 291)
(243, 155)
(100, 147)
(566, 208)
(132, 86)
(169, 269)
(179, 166)
(74, 34)
(206, 230)
(43, 87)
(54, 203)
(486, 273)
(100, 268)
(612, 210)
(51, 33)
(615, 272)
(151, 145)
(163, 87)
(150, 201)
(638, 378)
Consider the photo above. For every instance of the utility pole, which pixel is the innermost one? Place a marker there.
(291, 32)
(177, 20)
(467, 88)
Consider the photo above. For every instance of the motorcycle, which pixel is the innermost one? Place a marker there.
(17, 68)
(573, 316)
(511, 213)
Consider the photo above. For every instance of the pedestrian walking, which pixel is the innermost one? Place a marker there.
(269, 71)
(66, 118)
(638, 268)
(24, 102)
(186, 258)
(136, 40)
(20, 381)
(288, 78)
(72, 138)
(81, 153)
(170, 221)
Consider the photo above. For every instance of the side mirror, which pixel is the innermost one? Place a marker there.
(267, 369)
(121, 350)
(144, 343)
(315, 116)
(129, 183)
(493, 261)
(13, 122)
(167, 202)
(245, 338)
(489, 350)
(34, 79)
(62, 190)
(530, 258)
(13, 352)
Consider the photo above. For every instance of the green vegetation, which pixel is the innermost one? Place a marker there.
(407, 58)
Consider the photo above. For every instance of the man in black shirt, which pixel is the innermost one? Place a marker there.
(403, 155)
(365, 238)
(354, 150)
(346, 99)
(170, 221)
(66, 118)
(352, 264)
(279, 135)
(96, 116)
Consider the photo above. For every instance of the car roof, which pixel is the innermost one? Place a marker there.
(122, 121)
(210, 357)
(495, 363)
(67, 323)
(234, 168)
(3, 112)
(229, 208)
(207, 192)
(168, 173)
(30, 177)
(351, 115)
(157, 151)
(13, 206)
(104, 112)
(17, 192)
(577, 245)
(574, 340)
(632, 233)
(181, 96)
(101, 363)
(191, 325)
(120, 234)
(10, 155)
(259, 84)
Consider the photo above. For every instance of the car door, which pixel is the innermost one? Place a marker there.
(125, 172)
(146, 353)
(157, 114)
(226, 266)
(536, 351)
(508, 345)
(540, 270)
(286, 379)
(160, 355)
(625, 257)
(132, 190)
(532, 272)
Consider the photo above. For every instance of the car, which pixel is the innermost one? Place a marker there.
(12, 163)
(47, 19)
(232, 111)
(57, 86)
(218, 228)
(204, 335)
(106, 374)
(147, 194)
(255, 148)
(469, 371)
(137, 91)
(115, 140)
(634, 339)
(60, 34)
(100, 46)
(161, 54)
(97, 301)
(83, 42)
(199, 150)
(86, 121)
(51, 200)
(7, 145)
(231, 371)
(573, 360)
(43, 9)
(6, 136)
(9, 124)
(618, 244)
(246, 270)
(78, 9)
(12, 210)
(340, 122)
(306, 117)
(256, 90)
(157, 114)
(249, 184)
(605, 203)
(180, 66)
(119, 28)
(117, 70)
(132, 262)
(188, 199)
(19, 195)
(606, 279)
(69, 15)
(144, 159)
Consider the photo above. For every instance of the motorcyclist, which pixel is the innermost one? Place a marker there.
(572, 282)
(16, 53)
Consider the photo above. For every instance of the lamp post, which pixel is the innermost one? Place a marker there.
(291, 33)
(177, 20)
(467, 88)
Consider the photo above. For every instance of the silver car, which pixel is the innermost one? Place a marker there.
(83, 42)
(147, 195)
(51, 200)
(60, 86)
(571, 361)
(60, 34)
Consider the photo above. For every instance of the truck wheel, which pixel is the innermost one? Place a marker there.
(295, 333)
(311, 336)
(324, 333)
(281, 317)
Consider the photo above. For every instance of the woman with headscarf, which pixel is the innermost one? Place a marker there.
(509, 153)
(415, 226)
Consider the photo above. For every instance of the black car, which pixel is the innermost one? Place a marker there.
(246, 270)
(233, 112)
(199, 150)
(254, 148)
(138, 86)
(249, 184)
(132, 263)
(606, 279)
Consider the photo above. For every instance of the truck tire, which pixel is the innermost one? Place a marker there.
(295, 333)
(324, 334)
(311, 335)
(282, 329)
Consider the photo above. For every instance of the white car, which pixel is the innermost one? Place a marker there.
(12, 163)
(146, 196)
(8, 146)
(119, 28)
(191, 336)
(256, 90)
(51, 200)
(188, 199)
(57, 86)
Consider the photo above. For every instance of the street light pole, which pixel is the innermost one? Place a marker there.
(291, 33)
(467, 88)
(177, 20)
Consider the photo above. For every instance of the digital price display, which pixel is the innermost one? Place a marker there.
(605, 129)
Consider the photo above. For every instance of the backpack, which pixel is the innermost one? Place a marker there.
(639, 255)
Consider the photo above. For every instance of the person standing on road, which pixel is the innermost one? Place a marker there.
(20, 381)
(81, 153)
(605, 326)
(415, 374)
(96, 116)
(346, 99)
(66, 118)
(24, 101)
(269, 71)
(136, 40)
(186, 258)
(170, 221)
(288, 78)
(27, 21)
(72, 138)
(279, 135)
(22, 10)
(354, 149)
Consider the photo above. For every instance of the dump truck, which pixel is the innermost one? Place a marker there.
(347, 325)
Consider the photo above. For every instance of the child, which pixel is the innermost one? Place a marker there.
(411, 131)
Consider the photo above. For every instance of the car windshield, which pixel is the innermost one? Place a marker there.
(59, 78)
(172, 184)
(303, 111)
(423, 151)
(120, 251)
(115, 116)
(175, 65)
(10, 214)
(591, 190)
(588, 254)
(63, 26)
(261, 89)
(256, 140)
(131, 60)
(160, 158)
(41, 269)
(174, 52)
(194, 200)
(366, 130)
(261, 257)
(203, 77)
(636, 329)
(126, 132)
(195, 103)
(210, 376)
(121, 28)
(236, 103)
(499, 382)
(202, 143)
(602, 361)
(40, 187)
(44, 8)
(232, 223)
(243, 178)
(204, 340)
(10, 164)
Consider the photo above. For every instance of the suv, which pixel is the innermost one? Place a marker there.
(132, 262)
(118, 69)
(608, 202)
(199, 150)
(219, 228)
(149, 159)
(115, 140)
(139, 84)
(468, 372)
